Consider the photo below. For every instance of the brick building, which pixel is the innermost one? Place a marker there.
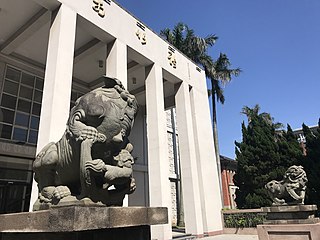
(228, 169)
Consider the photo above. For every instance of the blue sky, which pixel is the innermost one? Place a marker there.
(276, 43)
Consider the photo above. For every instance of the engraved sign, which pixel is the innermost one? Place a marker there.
(140, 33)
(172, 57)
(98, 7)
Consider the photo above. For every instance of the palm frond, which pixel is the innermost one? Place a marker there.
(167, 35)
(178, 33)
(211, 39)
(218, 91)
(250, 112)
(222, 70)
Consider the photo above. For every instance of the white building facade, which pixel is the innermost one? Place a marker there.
(53, 51)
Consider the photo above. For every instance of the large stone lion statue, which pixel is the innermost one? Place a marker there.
(92, 162)
(290, 190)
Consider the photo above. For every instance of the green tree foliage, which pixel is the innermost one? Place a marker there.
(290, 151)
(311, 164)
(263, 155)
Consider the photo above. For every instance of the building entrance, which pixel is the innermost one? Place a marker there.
(15, 184)
(14, 196)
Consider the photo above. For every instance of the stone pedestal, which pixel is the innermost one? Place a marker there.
(296, 214)
(82, 222)
(290, 223)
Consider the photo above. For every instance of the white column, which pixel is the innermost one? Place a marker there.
(207, 169)
(188, 162)
(58, 79)
(116, 62)
(158, 160)
(116, 67)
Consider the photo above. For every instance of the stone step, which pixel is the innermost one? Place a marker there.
(184, 237)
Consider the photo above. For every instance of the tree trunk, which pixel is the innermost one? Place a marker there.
(215, 139)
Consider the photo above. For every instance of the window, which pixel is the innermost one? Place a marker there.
(20, 106)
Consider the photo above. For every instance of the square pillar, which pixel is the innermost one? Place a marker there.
(207, 169)
(116, 62)
(58, 79)
(158, 159)
(188, 162)
(116, 67)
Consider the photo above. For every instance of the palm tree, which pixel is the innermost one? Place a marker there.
(250, 112)
(219, 73)
(254, 112)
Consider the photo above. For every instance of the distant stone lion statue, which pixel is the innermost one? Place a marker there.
(290, 190)
(92, 162)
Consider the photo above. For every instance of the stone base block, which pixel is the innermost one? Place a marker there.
(82, 222)
(294, 214)
(127, 233)
(289, 232)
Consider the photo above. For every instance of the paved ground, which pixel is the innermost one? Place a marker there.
(220, 237)
(182, 235)
(232, 237)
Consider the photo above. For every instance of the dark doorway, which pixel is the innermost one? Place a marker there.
(14, 196)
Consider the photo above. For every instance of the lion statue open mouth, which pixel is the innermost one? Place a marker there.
(92, 161)
(290, 190)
